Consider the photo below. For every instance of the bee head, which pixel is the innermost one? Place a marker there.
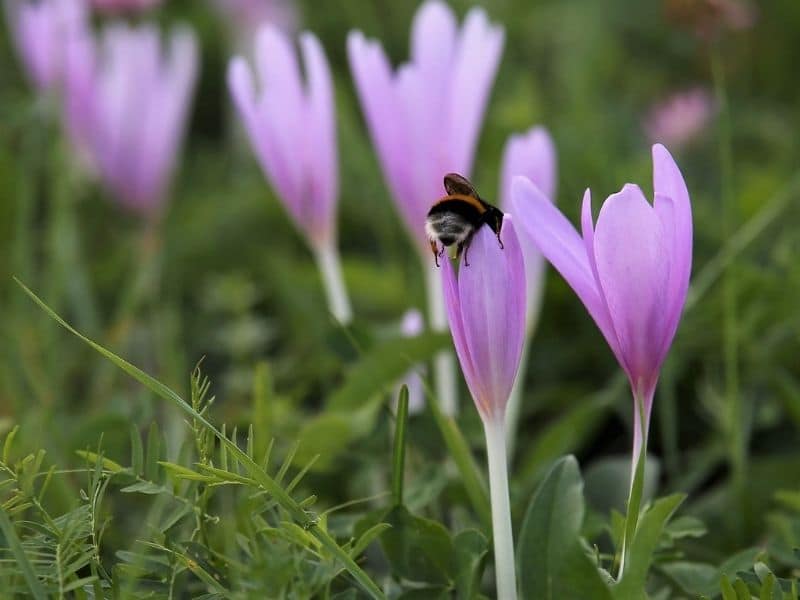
(494, 219)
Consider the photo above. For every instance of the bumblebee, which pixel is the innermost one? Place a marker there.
(454, 218)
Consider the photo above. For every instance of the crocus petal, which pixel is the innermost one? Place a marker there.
(633, 266)
(532, 155)
(452, 301)
(560, 244)
(668, 183)
(492, 293)
(323, 170)
(479, 51)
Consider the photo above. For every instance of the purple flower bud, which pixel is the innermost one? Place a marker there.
(127, 101)
(680, 118)
(486, 310)
(631, 270)
(425, 116)
(41, 32)
(290, 124)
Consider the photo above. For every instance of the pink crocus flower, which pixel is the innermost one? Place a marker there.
(245, 17)
(291, 127)
(118, 6)
(41, 32)
(128, 97)
(485, 306)
(680, 118)
(424, 117)
(631, 270)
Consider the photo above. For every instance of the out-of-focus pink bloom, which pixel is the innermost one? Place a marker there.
(41, 32)
(118, 6)
(128, 96)
(424, 118)
(486, 310)
(413, 325)
(631, 270)
(291, 127)
(680, 118)
(532, 155)
(245, 17)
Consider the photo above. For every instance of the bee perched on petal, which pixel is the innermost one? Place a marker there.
(455, 218)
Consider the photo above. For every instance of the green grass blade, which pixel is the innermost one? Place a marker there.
(399, 453)
(14, 543)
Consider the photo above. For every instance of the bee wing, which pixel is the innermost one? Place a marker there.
(458, 184)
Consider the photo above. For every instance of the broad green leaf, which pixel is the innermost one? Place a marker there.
(552, 563)
(382, 366)
(648, 532)
(418, 549)
(472, 547)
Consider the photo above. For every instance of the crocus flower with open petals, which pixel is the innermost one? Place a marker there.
(128, 96)
(486, 309)
(680, 118)
(41, 32)
(533, 155)
(291, 127)
(424, 118)
(631, 270)
(117, 6)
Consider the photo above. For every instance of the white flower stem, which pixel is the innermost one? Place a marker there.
(444, 365)
(513, 408)
(330, 267)
(505, 570)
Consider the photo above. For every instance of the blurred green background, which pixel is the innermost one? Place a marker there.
(233, 283)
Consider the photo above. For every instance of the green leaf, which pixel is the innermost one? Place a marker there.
(153, 452)
(645, 540)
(15, 545)
(552, 563)
(382, 366)
(472, 547)
(399, 452)
(728, 593)
(367, 538)
(107, 463)
(137, 452)
(329, 434)
(418, 549)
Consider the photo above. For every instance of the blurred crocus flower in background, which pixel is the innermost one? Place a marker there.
(245, 17)
(127, 100)
(292, 130)
(413, 325)
(631, 270)
(533, 155)
(680, 118)
(119, 6)
(485, 306)
(424, 119)
(41, 32)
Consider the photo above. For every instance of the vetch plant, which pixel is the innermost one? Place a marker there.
(485, 306)
(533, 155)
(631, 271)
(127, 102)
(292, 131)
(424, 119)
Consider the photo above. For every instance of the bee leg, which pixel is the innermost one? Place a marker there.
(436, 253)
(499, 241)
(465, 248)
